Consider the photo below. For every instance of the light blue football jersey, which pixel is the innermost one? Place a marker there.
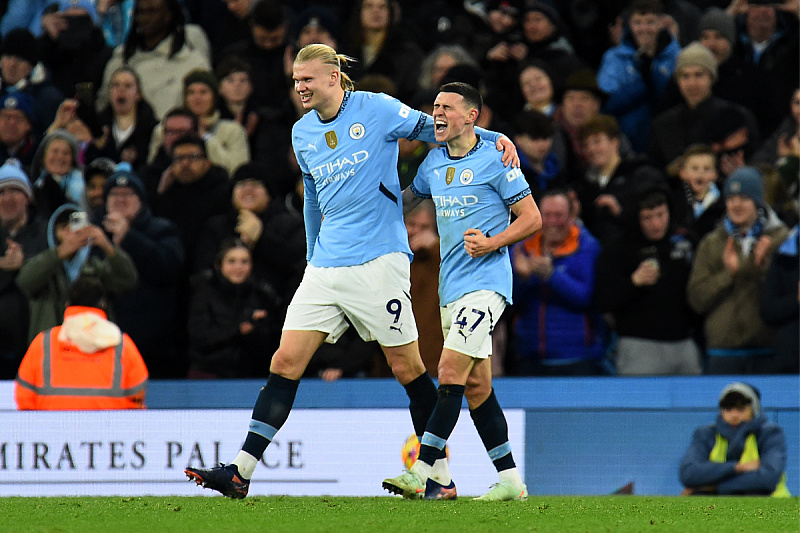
(353, 202)
(474, 191)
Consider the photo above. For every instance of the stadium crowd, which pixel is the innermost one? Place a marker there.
(660, 139)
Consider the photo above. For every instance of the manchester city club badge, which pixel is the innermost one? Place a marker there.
(330, 139)
(357, 131)
(466, 177)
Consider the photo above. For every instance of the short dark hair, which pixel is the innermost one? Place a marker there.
(87, 291)
(471, 95)
(191, 138)
(646, 7)
(600, 124)
(734, 399)
(535, 124)
(268, 14)
(181, 112)
(231, 64)
(653, 199)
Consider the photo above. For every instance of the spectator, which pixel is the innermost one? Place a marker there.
(729, 133)
(148, 312)
(251, 217)
(581, 100)
(266, 46)
(538, 141)
(226, 140)
(379, 47)
(779, 306)
(542, 37)
(681, 125)
(641, 282)
(423, 239)
(233, 318)
(607, 191)
(439, 61)
(72, 46)
(22, 235)
(538, 87)
(17, 139)
(635, 73)
(728, 276)
(20, 71)
(742, 453)
(699, 205)
(191, 191)
(161, 49)
(57, 175)
(45, 277)
(556, 330)
(86, 363)
(235, 23)
(737, 81)
(128, 121)
(178, 123)
(768, 41)
(95, 175)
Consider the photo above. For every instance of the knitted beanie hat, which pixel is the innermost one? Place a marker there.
(696, 54)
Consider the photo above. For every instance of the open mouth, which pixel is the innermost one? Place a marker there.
(440, 126)
(305, 97)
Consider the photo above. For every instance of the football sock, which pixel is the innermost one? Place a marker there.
(270, 413)
(246, 464)
(422, 399)
(512, 475)
(442, 422)
(440, 472)
(492, 427)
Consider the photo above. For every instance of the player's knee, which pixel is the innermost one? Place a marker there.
(286, 365)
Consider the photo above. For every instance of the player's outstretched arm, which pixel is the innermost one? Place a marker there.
(410, 200)
(528, 221)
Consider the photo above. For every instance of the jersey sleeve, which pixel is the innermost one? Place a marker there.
(511, 185)
(401, 121)
(312, 215)
(421, 186)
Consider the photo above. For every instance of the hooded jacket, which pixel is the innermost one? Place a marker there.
(697, 469)
(44, 278)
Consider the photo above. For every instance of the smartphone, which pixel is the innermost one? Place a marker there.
(78, 220)
(84, 94)
(78, 31)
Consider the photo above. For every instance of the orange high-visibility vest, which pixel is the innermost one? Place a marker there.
(56, 376)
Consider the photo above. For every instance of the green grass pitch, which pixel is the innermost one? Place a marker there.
(557, 514)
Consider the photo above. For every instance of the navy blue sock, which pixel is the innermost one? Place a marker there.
(442, 422)
(422, 399)
(492, 427)
(270, 413)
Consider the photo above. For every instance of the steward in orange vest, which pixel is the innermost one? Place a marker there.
(86, 363)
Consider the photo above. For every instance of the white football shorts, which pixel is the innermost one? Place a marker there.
(468, 322)
(375, 297)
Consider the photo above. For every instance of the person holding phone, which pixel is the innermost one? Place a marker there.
(73, 50)
(75, 247)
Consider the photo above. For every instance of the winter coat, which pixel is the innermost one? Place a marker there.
(216, 345)
(139, 138)
(730, 303)
(697, 470)
(635, 84)
(554, 320)
(43, 279)
(161, 75)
